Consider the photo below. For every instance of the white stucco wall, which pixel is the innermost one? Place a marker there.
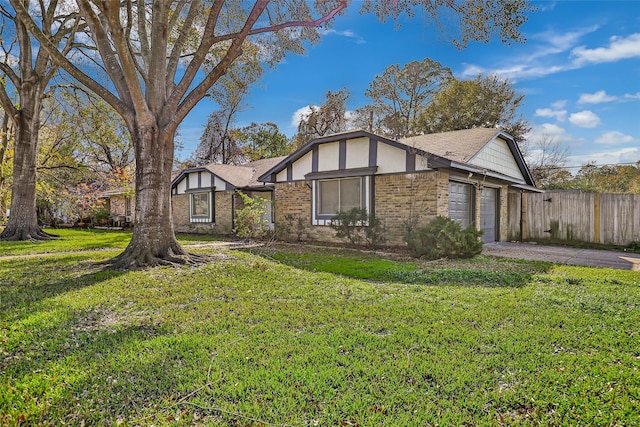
(281, 176)
(302, 167)
(205, 182)
(328, 157)
(357, 153)
(391, 159)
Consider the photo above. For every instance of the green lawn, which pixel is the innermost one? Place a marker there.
(304, 337)
(70, 240)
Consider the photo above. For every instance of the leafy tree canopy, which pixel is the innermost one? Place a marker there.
(486, 101)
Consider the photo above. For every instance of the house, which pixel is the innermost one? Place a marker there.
(465, 175)
(204, 199)
(120, 205)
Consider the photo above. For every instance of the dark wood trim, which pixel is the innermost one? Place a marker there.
(373, 152)
(410, 164)
(345, 173)
(342, 154)
(314, 159)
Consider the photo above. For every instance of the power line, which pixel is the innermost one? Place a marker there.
(587, 165)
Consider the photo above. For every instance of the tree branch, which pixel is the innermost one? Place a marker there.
(142, 32)
(8, 71)
(5, 101)
(174, 56)
(23, 14)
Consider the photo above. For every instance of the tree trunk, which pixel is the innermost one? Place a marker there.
(23, 219)
(153, 241)
(4, 145)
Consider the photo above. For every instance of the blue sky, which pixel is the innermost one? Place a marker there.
(579, 71)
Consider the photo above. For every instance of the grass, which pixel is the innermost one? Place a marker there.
(70, 240)
(292, 336)
(479, 271)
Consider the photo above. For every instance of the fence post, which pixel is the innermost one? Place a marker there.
(596, 218)
(523, 216)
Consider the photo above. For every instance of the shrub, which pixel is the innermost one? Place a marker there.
(101, 215)
(250, 222)
(292, 226)
(356, 225)
(444, 238)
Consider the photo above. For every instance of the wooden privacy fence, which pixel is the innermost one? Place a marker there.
(612, 219)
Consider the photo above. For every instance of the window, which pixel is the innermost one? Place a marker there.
(339, 195)
(200, 207)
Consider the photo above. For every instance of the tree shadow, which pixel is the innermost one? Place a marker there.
(482, 271)
(29, 280)
(93, 373)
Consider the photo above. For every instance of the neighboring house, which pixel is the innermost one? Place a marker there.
(120, 204)
(204, 199)
(465, 175)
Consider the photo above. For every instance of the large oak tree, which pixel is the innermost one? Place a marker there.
(486, 101)
(155, 53)
(26, 71)
(400, 94)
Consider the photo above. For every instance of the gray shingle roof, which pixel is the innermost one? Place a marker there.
(459, 146)
(243, 176)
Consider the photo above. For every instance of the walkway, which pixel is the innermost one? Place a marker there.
(565, 255)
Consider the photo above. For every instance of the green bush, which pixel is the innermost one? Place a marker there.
(444, 238)
(101, 215)
(357, 225)
(249, 221)
(294, 227)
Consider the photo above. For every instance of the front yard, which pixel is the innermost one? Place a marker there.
(296, 336)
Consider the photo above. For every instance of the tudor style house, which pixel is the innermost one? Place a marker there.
(464, 174)
(204, 199)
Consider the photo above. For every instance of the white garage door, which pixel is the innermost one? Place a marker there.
(489, 214)
(460, 203)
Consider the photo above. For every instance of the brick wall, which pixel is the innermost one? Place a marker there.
(222, 211)
(293, 208)
(118, 205)
(415, 197)
(398, 198)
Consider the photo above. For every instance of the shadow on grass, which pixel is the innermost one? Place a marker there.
(84, 372)
(373, 267)
(28, 281)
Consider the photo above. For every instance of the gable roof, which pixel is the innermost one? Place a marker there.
(455, 149)
(462, 146)
(269, 174)
(238, 176)
(459, 145)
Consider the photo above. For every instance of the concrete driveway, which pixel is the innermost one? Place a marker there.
(564, 255)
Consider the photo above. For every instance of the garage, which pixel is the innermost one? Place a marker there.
(460, 203)
(489, 214)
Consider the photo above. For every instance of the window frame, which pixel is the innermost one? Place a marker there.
(324, 218)
(204, 218)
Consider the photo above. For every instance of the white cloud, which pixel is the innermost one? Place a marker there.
(547, 6)
(536, 62)
(596, 98)
(545, 57)
(550, 131)
(299, 114)
(560, 115)
(615, 137)
(618, 48)
(632, 96)
(561, 41)
(584, 119)
(625, 155)
(559, 104)
(345, 33)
